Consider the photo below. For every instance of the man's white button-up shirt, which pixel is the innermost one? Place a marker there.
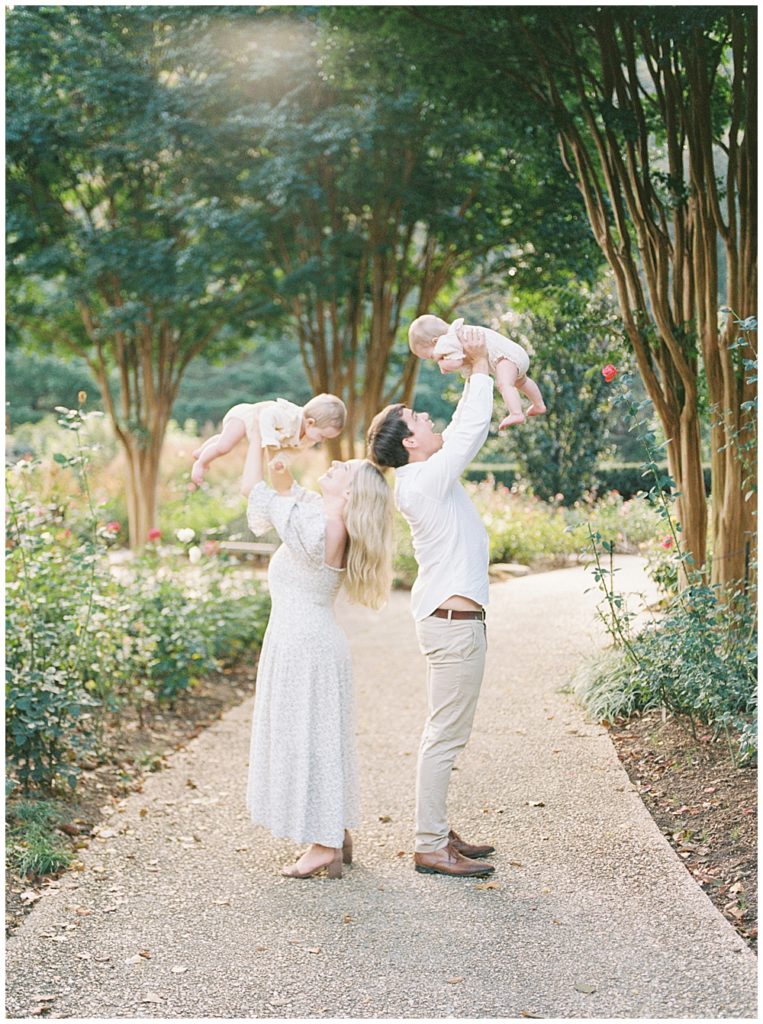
(449, 540)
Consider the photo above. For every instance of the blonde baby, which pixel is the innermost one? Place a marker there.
(280, 424)
(430, 337)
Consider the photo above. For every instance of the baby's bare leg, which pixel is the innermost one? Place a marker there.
(506, 377)
(531, 390)
(222, 443)
(202, 447)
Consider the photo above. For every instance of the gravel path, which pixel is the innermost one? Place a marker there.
(180, 910)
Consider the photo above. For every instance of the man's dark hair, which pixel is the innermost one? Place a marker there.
(385, 437)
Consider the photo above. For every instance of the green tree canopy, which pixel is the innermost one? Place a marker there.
(129, 243)
(654, 113)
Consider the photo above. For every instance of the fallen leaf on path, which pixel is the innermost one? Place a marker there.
(279, 1002)
(101, 958)
(30, 896)
(44, 999)
(222, 903)
(152, 997)
(454, 981)
(143, 812)
(134, 959)
(488, 885)
(179, 970)
(145, 953)
(84, 956)
(526, 1013)
(347, 919)
(516, 863)
(585, 986)
(313, 949)
(384, 819)
(535, 803)
(260, 949)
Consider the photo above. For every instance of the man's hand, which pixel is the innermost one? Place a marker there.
(475, 349)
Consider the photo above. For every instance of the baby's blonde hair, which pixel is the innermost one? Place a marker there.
(423, 331)
(368, 518)
(328, 411)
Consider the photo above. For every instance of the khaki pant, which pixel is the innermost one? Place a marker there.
(455, 653)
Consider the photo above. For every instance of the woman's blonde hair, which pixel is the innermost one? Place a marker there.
(368, 518)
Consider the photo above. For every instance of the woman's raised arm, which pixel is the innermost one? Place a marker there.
(253, 466)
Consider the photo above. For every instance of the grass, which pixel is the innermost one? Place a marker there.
(606, 687)
(34, 848)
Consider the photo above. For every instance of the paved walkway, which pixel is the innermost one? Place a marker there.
(180, 911)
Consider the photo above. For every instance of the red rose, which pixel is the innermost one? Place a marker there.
(113, 526)
(154, 534)
(609, 372)
(667, 543)
(210, 547)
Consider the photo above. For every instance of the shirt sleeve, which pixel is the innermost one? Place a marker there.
(297, 520)
(462, 439)
(449, 346)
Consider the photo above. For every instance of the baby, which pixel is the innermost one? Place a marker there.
(280, 424)
(430, 337)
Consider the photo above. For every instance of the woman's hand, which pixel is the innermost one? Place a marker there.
(252, 473)
(280, 474)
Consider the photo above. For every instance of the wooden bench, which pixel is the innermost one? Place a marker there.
(248, 549)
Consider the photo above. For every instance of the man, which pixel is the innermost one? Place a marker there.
(449, 595)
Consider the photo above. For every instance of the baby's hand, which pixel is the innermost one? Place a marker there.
(279, 464)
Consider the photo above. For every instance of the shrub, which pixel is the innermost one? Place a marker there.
(83, 641)
(522, 528)
(698, 659)
(47, 724)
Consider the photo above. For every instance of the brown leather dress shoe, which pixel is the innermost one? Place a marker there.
(468, 849)
(448, 861)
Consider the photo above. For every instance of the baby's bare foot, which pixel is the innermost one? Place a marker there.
(536, 410)
(512, 420)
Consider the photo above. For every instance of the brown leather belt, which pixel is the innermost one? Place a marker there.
(453, 613)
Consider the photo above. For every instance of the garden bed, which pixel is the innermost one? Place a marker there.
(705, 807)
(132, 751)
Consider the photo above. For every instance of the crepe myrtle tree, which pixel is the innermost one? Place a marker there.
(128, 241)
(654, 113)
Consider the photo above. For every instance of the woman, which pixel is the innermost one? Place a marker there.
(302, 771)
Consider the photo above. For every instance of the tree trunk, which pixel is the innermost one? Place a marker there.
(142, 483)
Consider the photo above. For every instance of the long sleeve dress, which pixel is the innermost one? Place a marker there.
(302, 766)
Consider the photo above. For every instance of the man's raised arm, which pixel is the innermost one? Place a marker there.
(470, 424)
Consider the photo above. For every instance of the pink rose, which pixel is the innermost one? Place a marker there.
(609, 372)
